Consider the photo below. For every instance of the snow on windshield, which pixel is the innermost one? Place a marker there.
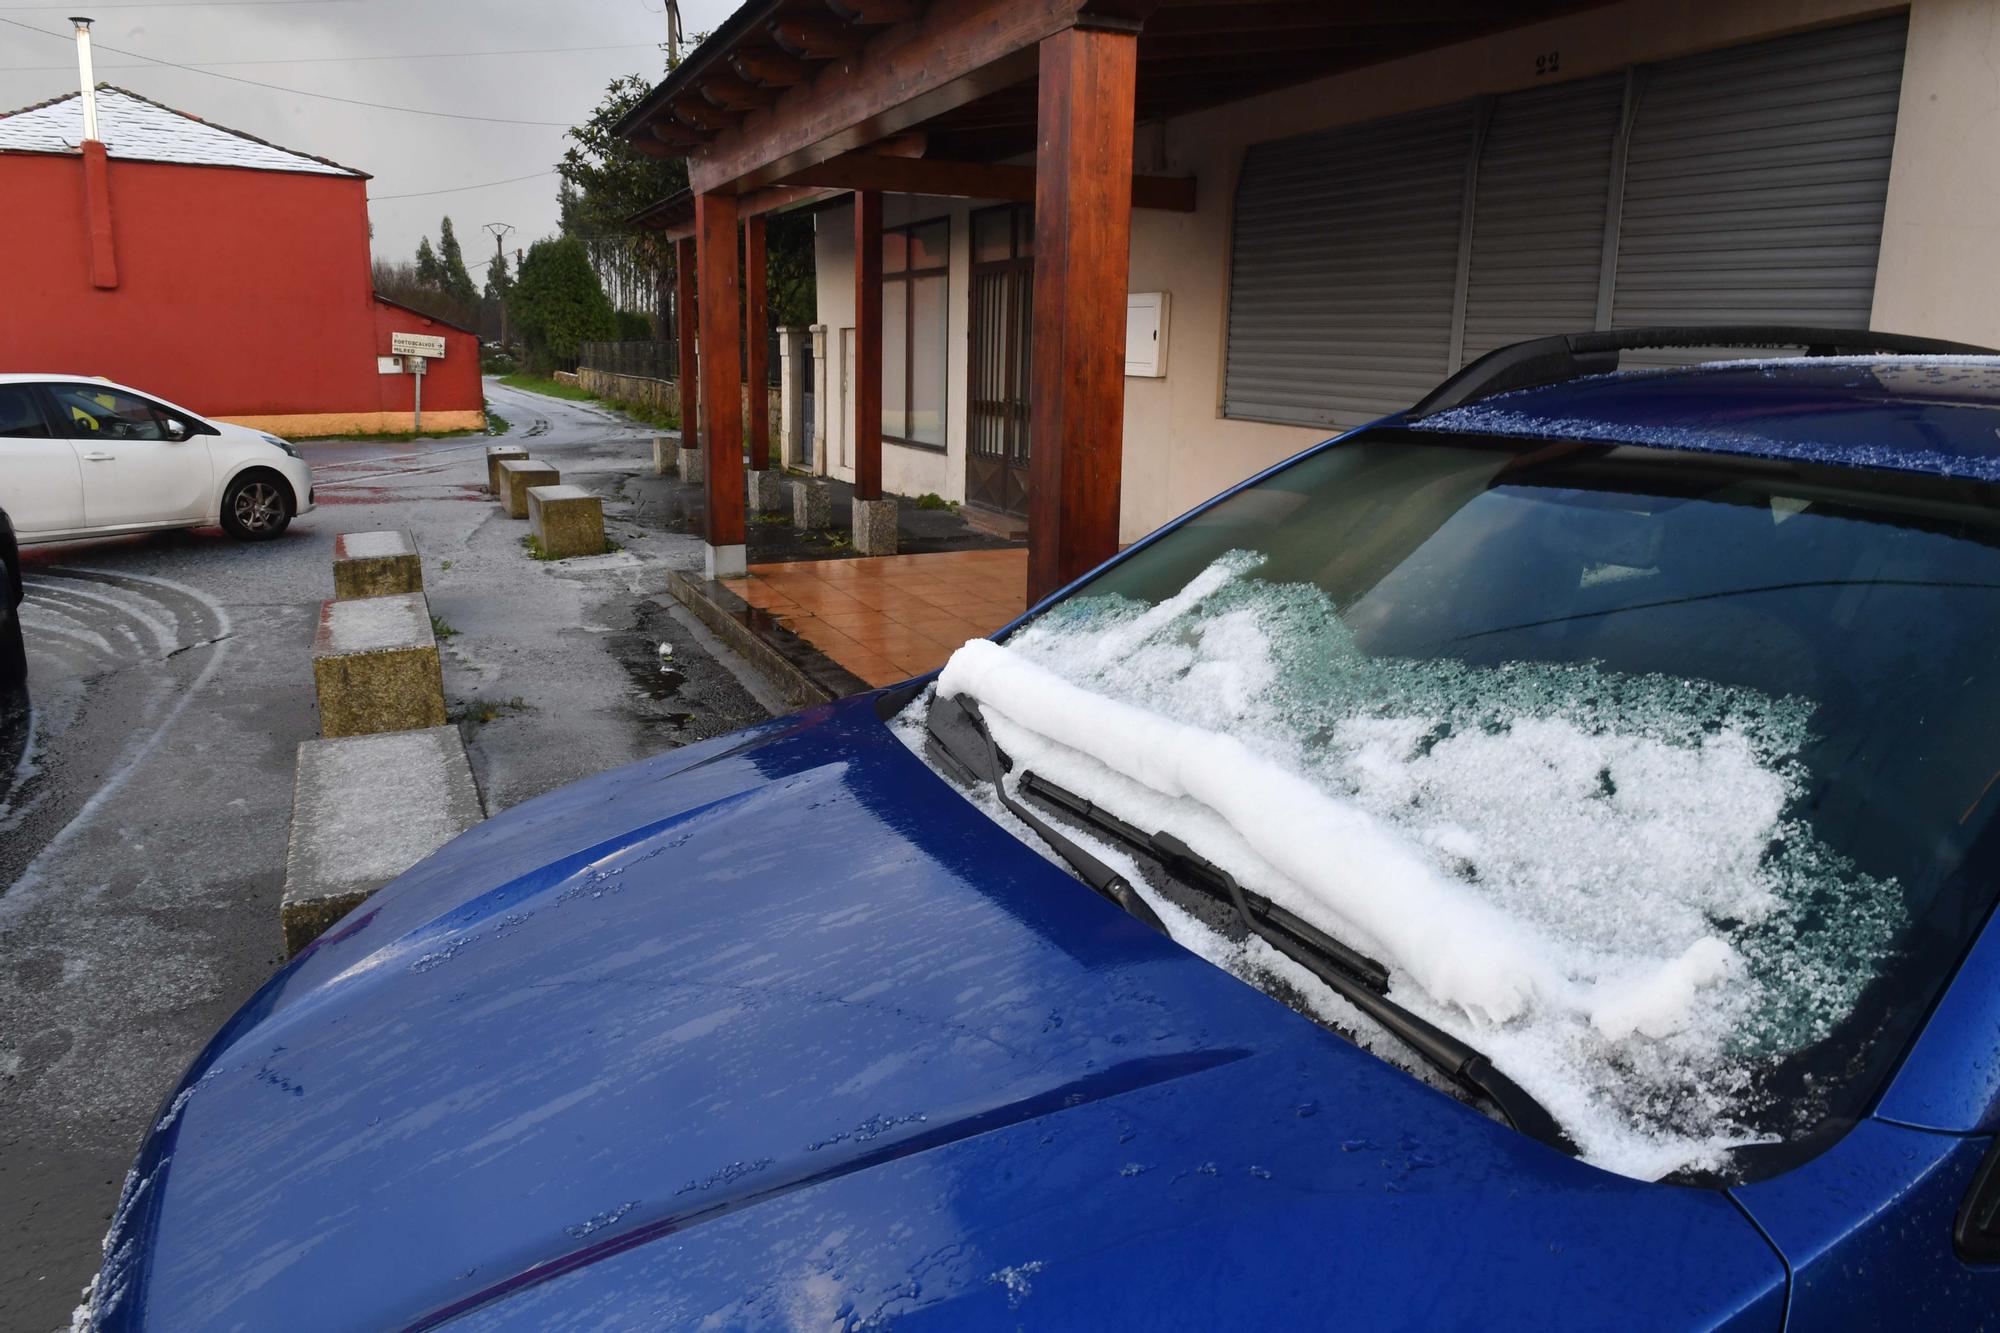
(1598, 879)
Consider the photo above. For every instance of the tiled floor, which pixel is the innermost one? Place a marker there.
(888, 618)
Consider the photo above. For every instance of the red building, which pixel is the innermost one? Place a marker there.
(219, 271)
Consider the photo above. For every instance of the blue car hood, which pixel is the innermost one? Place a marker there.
(781, 1030)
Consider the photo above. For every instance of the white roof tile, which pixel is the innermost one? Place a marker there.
(139, 129)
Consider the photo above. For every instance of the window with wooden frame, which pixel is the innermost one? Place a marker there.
(915, 270)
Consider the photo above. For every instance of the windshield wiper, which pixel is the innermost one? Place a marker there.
(959, 736)
(961, 739)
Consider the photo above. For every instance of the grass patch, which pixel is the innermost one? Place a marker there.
(444, 566)
(932, 500)
(548, 387)
(535, 551)
(481, 711)
(772, 519)
(497, 424)
(441, 628)
(388, 436)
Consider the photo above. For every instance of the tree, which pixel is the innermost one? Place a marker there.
(453, 280)
(498, 279)
(429, 272)
(558, 303)
(605, 181)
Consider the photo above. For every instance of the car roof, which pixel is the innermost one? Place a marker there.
(1926, 414)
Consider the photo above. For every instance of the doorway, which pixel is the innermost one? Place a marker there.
(1002, 324)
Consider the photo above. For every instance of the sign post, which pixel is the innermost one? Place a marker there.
(416, 349)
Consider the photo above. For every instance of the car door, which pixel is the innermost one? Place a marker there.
(140, 463)
(40, 477)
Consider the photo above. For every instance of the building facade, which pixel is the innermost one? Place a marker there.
(1358, 237)
(219, 271)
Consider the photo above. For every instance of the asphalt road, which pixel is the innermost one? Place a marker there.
(142, 838)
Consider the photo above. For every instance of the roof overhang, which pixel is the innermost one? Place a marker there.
(785, 87)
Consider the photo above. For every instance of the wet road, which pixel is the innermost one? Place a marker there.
(142, 835)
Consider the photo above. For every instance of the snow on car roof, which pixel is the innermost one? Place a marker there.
(1929, 414)
(136, 128)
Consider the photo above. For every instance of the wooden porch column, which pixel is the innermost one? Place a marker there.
(721, 383)
(1083, 235)
(867, 345)
(757, 345)
(684, 336)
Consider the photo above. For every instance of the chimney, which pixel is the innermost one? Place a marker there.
(89, 83)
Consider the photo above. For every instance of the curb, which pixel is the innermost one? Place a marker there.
(796, 669)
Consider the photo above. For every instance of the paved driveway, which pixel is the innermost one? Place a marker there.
(142, 840)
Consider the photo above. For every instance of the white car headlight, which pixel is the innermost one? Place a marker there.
(286, 445)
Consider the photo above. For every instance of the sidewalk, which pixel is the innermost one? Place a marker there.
(893, 617)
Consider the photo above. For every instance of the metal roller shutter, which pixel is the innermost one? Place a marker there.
(1344, 267)
(1538, 226)
(1756, 179)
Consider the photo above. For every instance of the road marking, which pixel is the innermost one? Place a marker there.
(23, 891)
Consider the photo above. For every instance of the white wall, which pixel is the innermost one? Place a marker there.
(906, 469)
(1939, 274)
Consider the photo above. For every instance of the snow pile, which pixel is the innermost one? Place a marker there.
(1595, 878)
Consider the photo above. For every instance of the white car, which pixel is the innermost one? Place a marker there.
(82, 457)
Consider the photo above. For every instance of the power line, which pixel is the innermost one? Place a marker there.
(461, 189)
(181, 4)
(342, 60)
(296, 92)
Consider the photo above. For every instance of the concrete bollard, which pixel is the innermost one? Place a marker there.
(691, 461)
(666, 454)
(766, 491)
(812, 506)
(375, 666)
(516, 476)
(875, 527)
(496, 454)
(375, 564)
(364, 810)
(566, 521)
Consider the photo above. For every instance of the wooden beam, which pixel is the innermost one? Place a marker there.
(756, 344)
(876, 13)
(774, 199)
(673, 133)
(1083, 235)
(867, 379)
(686, 260)
(812, 38)
(731, 93)
(721, 381)
(949, 56)
(972, 180)
(771, 67)
(703, 114)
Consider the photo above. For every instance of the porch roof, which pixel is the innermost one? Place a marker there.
(785, 85)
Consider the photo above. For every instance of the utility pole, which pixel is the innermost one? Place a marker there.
(500, 230)
(673, 33)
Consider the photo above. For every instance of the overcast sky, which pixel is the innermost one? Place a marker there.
(337, 47)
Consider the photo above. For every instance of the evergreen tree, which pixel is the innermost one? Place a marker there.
(558, 303)
(452, 277)
(498, 279)
(429, 272)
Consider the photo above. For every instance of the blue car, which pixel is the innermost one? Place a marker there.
(1527, 862)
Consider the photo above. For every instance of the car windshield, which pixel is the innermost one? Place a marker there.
(1663, 779)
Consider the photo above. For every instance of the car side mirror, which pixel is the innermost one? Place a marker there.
(176, 429)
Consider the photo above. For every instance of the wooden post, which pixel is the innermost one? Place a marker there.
(1083, 236)
(721, 382)
(684, 335)
(756, 345)
(867, 450)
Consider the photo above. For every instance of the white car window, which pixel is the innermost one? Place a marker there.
(96, 411)
(20, 413)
